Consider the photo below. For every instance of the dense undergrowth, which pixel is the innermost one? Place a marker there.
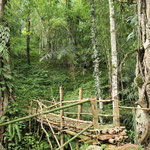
(41, 80)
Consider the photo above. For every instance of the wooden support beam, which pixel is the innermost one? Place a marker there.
(61, 118)
(116, 120)
(95, 114)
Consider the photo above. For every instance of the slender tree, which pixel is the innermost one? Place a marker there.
(95, 54)
(114, 63)
(143, 72)
(28, 37)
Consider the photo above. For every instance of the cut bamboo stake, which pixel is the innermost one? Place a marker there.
(95, 114)
(45, 112)
(79, 111)
(112, 141)
(30, 113)
(61, 118)
(80, 106)
(74, 137)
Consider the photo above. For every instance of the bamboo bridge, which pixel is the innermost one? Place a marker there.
(60, 122)
(90, 131)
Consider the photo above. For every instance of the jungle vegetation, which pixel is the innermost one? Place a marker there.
(45, 44)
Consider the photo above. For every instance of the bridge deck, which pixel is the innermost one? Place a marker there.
(73, 126)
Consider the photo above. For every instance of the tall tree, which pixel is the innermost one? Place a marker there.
(143, 72)
(95, 54)
(114, 63)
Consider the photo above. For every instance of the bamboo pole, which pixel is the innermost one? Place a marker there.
(79, 111)
(30, 113)
(74, 137)
(61, 118)
(125, 107)
(50, 126)
(116, 120)
(95, 114)
(90, 114)
(44, 112)
(74, 101)
(80, 106)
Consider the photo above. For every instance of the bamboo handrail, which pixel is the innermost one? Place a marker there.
(125, 107)
(74, 101)
(102, 115)
(45, 112)
(71, 119)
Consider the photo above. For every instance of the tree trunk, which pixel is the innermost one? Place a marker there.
(28, 38)
(95, 55)
(109, 71)
(114, 64)
(1, 63)
(143, 72)
(2, 4)
(5, 75)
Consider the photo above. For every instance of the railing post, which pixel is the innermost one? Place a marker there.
(79, 111)
(80, 106)
(95, 114)
(61, 118)
(116, 121)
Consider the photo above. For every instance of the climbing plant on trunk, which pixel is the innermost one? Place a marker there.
(143, 72)
(5, 71)
(95, 54)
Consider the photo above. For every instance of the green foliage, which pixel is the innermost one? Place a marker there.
(60, 36)
(83, 147)
(139, 81)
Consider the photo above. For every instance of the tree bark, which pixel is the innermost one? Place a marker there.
(114, 64)
(96, 73)
(28, 38)
(5, 77)
(143, 72)
(2, 3)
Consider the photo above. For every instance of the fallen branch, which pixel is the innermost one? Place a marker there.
(53, 132)
(40, 104)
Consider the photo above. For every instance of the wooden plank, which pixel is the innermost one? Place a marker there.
(108, 136)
